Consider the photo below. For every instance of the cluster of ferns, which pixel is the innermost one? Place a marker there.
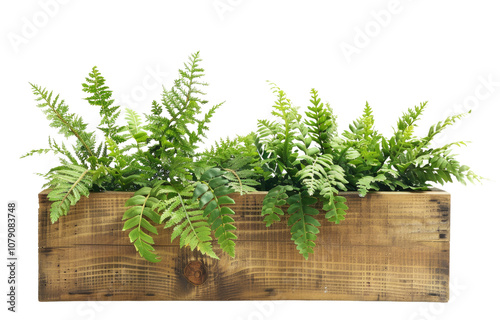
(301, 160)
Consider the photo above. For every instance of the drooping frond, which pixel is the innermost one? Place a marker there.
(324, 178)
(273, 200)
(304, 225)
(182, 213)
(139, 217)
(212, 193)
(68, 184)
(335, 209)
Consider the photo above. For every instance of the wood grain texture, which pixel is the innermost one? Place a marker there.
(393, 246)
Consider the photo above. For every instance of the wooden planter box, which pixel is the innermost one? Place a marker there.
(392, 246)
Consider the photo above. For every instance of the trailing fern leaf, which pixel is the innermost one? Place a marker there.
(68, 184)
(212, 193)
(273, 200)
(141, 209)
(189, 223)
(304, 225)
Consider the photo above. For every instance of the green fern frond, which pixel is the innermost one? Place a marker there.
(369, 183)
(189, 223)
(439, 127)
(409, 118)
(68, 184)
(268, 130)
(61, 149)
(272, 202)
(100, 95)
(134, 121)
(279, 138)
(241, 181)
(362, 129)
(36, 151)
(135, 129)
(322, 123)
(175, 128)
(69, 124)
(335, 209)
(212, 193)
(239, 158)
(304, 225)
(142, 207)
(321, 175)
(202, 124)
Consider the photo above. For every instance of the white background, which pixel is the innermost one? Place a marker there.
(400, 54)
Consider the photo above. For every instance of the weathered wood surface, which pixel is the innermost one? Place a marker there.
(392, 246)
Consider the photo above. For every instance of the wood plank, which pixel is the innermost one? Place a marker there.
(392, 246)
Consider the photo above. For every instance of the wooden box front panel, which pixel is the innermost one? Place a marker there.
(392, 246)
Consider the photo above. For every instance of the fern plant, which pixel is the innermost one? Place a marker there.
(155, 156)
(300, 160)
(307, 161)
(293, 151)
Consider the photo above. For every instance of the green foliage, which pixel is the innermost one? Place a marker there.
(68, 184)
(301, 161)
(69, 124)
(304, 225)
(240, 160)
(156, 158)
(274, 199)
(100, 95)
(298, 155)
(135, 129)
(173, 140)
(335, 209)
(278, 139)
(321, 175)
(213, 192)
(181, 210)
(321, 122)
(139, 217)
(307, 161)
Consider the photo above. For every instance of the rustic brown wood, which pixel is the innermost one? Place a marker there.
(195, 272)
(392, 246)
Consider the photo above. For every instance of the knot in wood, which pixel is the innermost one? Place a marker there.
(196, 273)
